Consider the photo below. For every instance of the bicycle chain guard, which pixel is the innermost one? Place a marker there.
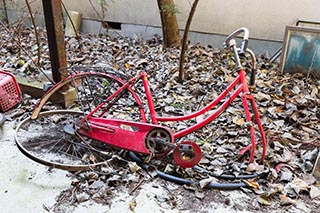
(187, 154)
(134, 136)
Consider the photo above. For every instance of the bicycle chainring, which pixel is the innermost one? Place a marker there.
(159, 141)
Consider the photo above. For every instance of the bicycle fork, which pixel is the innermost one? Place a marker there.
(247, 97)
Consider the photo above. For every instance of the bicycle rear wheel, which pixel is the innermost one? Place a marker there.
(51, 137)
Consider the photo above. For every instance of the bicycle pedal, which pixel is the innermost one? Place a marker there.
(187, 154)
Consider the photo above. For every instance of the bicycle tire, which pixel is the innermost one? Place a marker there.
(42, 138)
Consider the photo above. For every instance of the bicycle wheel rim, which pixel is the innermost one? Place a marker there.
(53, 164)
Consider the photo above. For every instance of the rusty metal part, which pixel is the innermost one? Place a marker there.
(159, 141)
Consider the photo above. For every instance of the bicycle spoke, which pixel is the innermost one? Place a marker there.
(48, 137)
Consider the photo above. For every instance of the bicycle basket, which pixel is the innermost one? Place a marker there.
(10, 94)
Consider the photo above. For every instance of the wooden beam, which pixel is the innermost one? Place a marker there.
(57, 48)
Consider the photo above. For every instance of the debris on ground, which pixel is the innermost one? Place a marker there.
(289, 107)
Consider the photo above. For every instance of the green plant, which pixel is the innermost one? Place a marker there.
(169, 8)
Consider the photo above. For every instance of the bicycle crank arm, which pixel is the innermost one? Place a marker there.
(134, 136)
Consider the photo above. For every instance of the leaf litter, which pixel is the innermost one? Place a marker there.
(289, 107)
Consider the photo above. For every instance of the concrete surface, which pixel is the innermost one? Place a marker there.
(147, 32)
(28, 187)
(25, 186)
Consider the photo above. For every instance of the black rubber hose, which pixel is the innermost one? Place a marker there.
(165, 176)
(226, 176)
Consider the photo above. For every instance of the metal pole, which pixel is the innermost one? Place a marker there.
(54, 25)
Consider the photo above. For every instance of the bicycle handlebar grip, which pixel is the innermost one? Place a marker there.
(252, 77)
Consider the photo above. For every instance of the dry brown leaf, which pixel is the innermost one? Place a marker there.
(286, 201)
(314, 192)
(238, 121)
(299, 185)
(252, 167)
(132, 205)
(205, 182)
(199, 195)
(264, 200)
(252, 183)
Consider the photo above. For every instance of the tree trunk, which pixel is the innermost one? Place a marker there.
(170, 29)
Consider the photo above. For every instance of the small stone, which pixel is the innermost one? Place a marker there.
(97, 184)
(82, 197)
(221, 150)
(227, 201)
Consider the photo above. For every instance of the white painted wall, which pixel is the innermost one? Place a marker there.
(266, 19)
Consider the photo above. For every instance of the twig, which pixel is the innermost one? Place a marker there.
(5, 11)
(103, 22)
(312, 142)
(35, 31)
(137, 186)
(72, 24)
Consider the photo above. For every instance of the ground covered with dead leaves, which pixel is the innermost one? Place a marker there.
(289, 107)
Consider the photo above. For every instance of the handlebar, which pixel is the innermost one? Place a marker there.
(230, 39)
(231, 42)
(254, 68)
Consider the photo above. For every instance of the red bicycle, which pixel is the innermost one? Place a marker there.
(108, 113)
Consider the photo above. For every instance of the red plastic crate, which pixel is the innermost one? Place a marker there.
(10, 94)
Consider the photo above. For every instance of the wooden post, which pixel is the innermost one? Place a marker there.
(57, 48)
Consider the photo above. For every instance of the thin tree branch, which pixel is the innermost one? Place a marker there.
(35, 31)
(185, 41)
(5, 12)
(72, 24)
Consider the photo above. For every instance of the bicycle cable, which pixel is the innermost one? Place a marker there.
(211, 185)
